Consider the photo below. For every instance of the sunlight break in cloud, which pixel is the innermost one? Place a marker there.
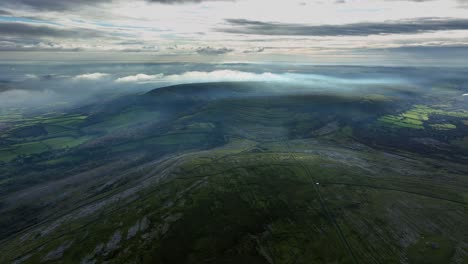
(91, 76)
(197, 76)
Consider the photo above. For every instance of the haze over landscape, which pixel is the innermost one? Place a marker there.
(243, 131)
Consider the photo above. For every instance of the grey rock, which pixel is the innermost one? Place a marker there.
(114, 242)
(58, 252)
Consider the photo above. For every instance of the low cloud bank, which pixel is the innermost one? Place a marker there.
(199, 76)
(140, 78)
(91, 76)
(314, 80)
(31, 87)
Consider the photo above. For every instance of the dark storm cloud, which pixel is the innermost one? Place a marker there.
(243, 26)
(28, 30)
(4, 13)
(213, 51)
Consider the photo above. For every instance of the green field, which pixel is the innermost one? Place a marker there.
(420, 115)
(29, 136)
(443, 126)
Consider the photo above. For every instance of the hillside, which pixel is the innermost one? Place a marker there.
(239, 173)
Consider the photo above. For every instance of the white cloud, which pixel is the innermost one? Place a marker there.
(123, 28)
(242, 76)
(30, 76)
(140, 78)
(224, 75)
(198, 76)
(465, 94)
(91, 76)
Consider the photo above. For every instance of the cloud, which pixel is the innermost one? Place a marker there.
(53, 5)
(145, 48)
(213, 51)
(462, 3)
(4, 13)
(418, 1)
(429, 49)
(61, 5)
(19, 45)
(140, 78)
(29, 30)
(141, 30)
(455, 53)
(421, 1)
(199, 76)
(409, 26)
(255, 50)
(182, 1)
(91, 76)
(465, 94)
(21, 36)
(17, 97)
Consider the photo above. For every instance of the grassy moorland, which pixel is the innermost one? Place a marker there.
(239, 173)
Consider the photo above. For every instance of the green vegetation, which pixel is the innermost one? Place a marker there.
(262, 207)
(431, 250)
(65, 142)
(36, 147)
(417, 117)
(190, 176)
(413, 118)
(463, 143)
(176, 139)
(61, 160)
(124, 120)
(7, 155)
(30, 148)
(402, 121)
(201, 126)
(443, 126)
(40, 134)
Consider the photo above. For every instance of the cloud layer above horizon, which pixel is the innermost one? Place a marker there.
(333, 32)
(30, 88)
(70, 85)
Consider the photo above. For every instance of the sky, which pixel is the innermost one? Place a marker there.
(357, 32)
